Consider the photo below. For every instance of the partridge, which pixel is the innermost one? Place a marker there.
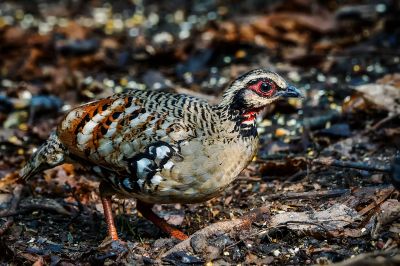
(160, 147)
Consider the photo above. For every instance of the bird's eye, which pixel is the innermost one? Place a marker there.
(266, 87)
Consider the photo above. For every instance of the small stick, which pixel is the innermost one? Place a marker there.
(377, 202)
(12, 213)
(382, 122)
(34, 207)
(355, 165)
(296, 175)
(264, 231)
(309, 195)
(304, 222)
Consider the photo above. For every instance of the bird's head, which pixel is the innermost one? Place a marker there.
(253, 91)
(256, 89)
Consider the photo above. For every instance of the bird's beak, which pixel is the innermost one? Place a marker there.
(292, 92)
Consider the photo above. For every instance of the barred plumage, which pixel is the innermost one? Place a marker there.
(160, 147)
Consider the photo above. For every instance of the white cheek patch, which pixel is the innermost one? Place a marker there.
(256, 99)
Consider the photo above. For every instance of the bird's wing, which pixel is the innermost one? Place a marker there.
(112, 131)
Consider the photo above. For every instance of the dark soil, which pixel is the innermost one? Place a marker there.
(344, 55)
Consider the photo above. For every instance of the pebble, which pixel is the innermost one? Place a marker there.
(276, 253)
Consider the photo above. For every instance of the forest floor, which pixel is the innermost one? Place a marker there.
(322, 187)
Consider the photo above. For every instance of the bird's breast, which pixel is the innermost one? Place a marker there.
(204, 170)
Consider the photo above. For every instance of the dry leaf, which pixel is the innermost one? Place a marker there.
(385, 97)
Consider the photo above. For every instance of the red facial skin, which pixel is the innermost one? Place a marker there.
(257, 88)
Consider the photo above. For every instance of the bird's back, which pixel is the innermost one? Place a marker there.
(107, 131)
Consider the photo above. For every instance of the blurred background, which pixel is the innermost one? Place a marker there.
(344, 55)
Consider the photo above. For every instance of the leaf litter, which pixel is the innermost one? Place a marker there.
(320, 189)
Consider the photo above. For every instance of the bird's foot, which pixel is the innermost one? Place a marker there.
(178, 234)
(146, 210)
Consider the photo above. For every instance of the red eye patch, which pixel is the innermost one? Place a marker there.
(264, 88)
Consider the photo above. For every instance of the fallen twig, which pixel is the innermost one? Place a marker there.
(308, 195)
(33, 207)
(381, 123)
(224, 226)
(304, 222)
(14, 205)
(297, 175)
(378, 201)
(285, 224)
(355, 165)
(5, 214)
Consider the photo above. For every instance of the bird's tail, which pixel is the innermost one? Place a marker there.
(49, 155)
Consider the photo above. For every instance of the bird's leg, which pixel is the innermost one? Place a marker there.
(146, 210)
(107, 207)
(112, 230)
(116, 246)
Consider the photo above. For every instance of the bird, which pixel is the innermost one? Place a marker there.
(159, 147)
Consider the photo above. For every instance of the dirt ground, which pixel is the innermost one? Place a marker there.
(322, 188)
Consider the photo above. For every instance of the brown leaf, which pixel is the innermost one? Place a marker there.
(332, 219)
(385, 97)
